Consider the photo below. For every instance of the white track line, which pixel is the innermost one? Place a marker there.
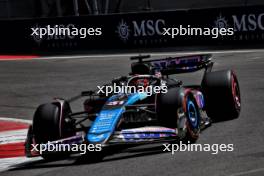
(161, 53)
(16, 120)
(152, 54)
(248, 172)
(14, 136)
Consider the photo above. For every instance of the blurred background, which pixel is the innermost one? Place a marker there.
(57, 8)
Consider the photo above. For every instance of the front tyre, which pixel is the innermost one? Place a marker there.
(49, 125)
(193, 119)
(178, 109)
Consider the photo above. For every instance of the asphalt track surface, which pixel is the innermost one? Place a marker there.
(26, 84)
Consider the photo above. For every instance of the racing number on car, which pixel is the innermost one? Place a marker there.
(115, 103)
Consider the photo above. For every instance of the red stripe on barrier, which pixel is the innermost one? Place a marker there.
(17, 57)
(12, 150)
(10, 125)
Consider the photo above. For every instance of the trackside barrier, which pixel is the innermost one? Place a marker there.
(135, 30)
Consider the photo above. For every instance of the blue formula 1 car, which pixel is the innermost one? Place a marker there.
(136, 117)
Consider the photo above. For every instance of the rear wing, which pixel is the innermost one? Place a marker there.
(176, 65)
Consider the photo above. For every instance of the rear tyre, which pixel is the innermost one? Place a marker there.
(178, 109)
(50, 125)
(222, 95)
